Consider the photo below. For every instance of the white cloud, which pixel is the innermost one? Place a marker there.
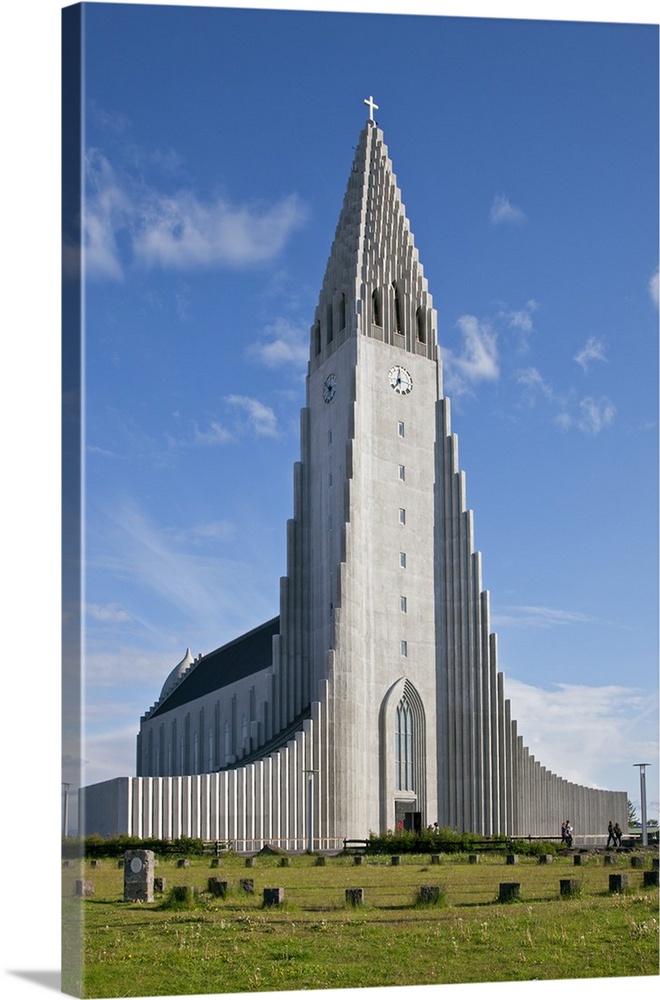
(176, 231)
(533, 385)
(538, 617)
(478, 360)
(214, 434)
(261, 418)
(593, 416)
(585, 734)
(592, 351)
(284, 343)
(503, 211)
(108, 613)
(654, 287)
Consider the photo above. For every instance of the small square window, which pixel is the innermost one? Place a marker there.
(402, 560)
(402, 515)
(404, 648)
(401, 429)
(402, 472)
(404, 604)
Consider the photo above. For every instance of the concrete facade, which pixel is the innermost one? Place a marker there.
(375, 698)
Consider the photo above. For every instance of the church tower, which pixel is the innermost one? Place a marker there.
(374, 701)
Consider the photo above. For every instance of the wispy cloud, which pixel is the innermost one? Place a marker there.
(582, 733)
(478, 359)
(261, 419)
(521, 322)
(526, 616)
(593, 416)
(179, 230)
(503, 211)
(588, 415)
(654, 287)
(107, 614)
(283, 343)
(592, 351)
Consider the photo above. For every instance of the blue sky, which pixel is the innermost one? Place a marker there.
(218, 146)
(566, 519)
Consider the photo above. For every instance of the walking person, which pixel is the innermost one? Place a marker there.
(569, 833)
(618, 834)
(611, 835)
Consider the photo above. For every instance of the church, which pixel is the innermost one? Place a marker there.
(374, 700)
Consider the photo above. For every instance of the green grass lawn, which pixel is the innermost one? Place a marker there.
(315, 941)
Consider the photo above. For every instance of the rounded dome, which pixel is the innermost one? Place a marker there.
(175, 675)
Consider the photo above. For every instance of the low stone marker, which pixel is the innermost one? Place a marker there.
(159, 884)
(284, 862)
(429, 893)
(273, 897)
(619, 882)
(569, 887)
(609, 859)
(215, 862)
(579, 859)
(651, 878)
(473, 859)
(358, 859)
(320, 861)
(545, 859)
(355, 897)
(84, 887)
(435, 859)
(96, 862)
(656, 864)
(636, 862)
(509, 891)
(218, 888)
(396, 859)
(249, 862)
(139, 876)
(183, 863)
(184, 894)
(512, 859)
(247, 885)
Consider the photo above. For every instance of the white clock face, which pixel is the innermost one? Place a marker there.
(400, 379)
(329, 388)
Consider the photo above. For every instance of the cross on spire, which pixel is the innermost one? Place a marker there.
(372, 107)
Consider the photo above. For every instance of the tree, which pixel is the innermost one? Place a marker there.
(632, 815)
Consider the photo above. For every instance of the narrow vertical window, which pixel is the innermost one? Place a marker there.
(402, 515)
(329, 479)
(329, 437)
(421, 325)
(402, 560)
(329, 330)
(398, 308)
(401, 429)
(342, 311)
(404, 648)
(376, 308)
(403, 732)
(402, 472)
(317, 338)
(404, 604)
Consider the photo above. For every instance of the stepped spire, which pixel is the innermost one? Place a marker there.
(374, 283)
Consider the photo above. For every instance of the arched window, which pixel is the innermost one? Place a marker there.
(376, 308)
(421, 325)
(398, 308)
(403, 746)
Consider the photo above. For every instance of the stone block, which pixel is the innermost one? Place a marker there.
(512, 859)
(619, 882)
(569, 887)
(284, 862)
(273, 897)
(545, 859)
(320, 861)
(636, 862)
(509, 891)
(249, 862)
(218, 888)
(473, 859)
(96, 863)
(429, 893)
(215, 862)
(247, 885)
(183, 863)
(396, 860)
(435, 859)
(159, 884)
(651, 878)
(84, 887)
(139, 876)
(656, 864)
(358, 859)
(610, 859)
(354, 897)
(580, 859)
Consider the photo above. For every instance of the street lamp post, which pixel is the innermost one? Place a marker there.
(642, 792)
